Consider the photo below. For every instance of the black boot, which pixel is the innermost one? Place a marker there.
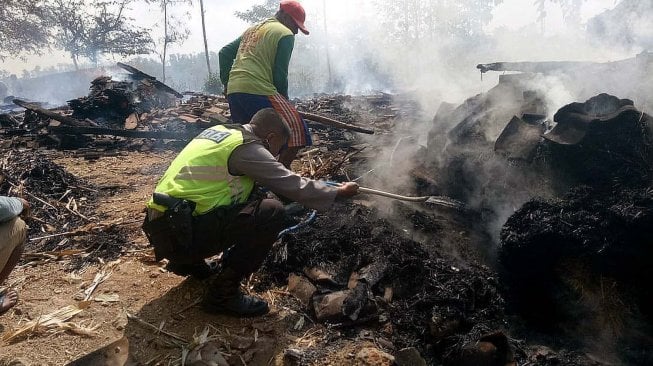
(224, 296)
(200, 270)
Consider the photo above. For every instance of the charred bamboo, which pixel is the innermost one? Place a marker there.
(334, 123)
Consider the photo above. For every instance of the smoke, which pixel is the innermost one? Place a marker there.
(57, 88)
(416, 49)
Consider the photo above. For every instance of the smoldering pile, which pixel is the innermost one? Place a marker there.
(603, 234)
(353, 268)
(573, 260)
(583, 260)
(112, 101)
(62, 206)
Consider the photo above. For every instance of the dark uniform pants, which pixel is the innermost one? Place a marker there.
(247, 230)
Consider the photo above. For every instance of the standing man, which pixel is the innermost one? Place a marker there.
(254, 72)
(13, 233)
(203, 205)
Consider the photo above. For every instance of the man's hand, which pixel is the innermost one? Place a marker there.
(26, 208)
(348, 189)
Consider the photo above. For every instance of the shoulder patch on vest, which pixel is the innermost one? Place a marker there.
(213, 135)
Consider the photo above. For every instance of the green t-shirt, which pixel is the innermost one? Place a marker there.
(257, 62)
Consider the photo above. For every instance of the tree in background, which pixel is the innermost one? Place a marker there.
(627, 26)
(570, 11)
(174, 30)
(413, 20)
(70, 25)
(85, 29)
(22, 27)
(206, 45)
(183, 72)
(212, 84)
(112, 33)
(258, 13)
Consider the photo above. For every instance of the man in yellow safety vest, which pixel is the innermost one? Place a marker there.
(203, 205)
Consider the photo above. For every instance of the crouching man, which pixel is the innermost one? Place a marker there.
(203, 205)
(13, 233)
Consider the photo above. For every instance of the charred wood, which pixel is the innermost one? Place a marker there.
(157, 84)
(55, 116)
(334, 123)
(65, 130)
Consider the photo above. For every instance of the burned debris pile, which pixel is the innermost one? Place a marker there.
(353, 267)
(604, 141)
(62, 205)
(573, 260)
(589, 237)
(583, 259)
(476, 150)
(111, 101)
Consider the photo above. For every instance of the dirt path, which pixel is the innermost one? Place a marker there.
(140, 287)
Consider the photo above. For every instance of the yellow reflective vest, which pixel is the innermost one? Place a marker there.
(200, 172)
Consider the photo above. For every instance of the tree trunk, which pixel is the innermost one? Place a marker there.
(206, 47)
(326, 37)
(74, 57)
(165, 39)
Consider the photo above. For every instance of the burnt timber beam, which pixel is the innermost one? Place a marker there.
(334, 123)
(157, 84)
(537, 67)
(50, 114)
(164, 135)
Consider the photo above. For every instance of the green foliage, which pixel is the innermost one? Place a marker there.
(91, 28)
(183, 71)
(413, 20)
(23, 27)
(258, 13)
(212, 84)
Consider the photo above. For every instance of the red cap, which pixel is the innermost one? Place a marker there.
(296, 12)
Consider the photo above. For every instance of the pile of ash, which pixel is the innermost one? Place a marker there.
(374, 274)
(61, 204)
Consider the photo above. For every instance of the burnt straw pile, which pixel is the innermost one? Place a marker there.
(580, 264)
(573, 261)
(62, 206)
(353, 267)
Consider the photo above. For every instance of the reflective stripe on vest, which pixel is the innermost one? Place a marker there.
(200, 172)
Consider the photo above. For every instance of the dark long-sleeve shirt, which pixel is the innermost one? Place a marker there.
(256, 162)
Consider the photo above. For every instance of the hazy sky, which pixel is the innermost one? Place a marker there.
(223, 26)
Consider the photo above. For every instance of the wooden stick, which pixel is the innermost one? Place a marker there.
(155, 328)
(334, 123)
(50, 114)
(85, 230)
